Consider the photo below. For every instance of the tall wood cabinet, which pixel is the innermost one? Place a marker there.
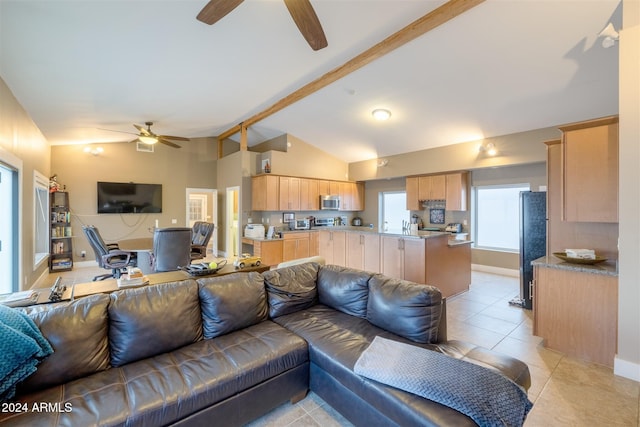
(590, 170)
(61, 235)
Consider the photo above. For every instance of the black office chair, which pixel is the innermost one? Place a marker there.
(171, 248)
(201, 234)
(108, 255)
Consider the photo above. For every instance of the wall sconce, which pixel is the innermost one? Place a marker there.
(381, 114)
(610, 36)
(382, 163)
(95, 151)
(489, 149)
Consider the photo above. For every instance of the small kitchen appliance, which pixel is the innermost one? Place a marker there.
(300, 224)
(356, 222)
(330, 202)
(453, 227)
(325, 222)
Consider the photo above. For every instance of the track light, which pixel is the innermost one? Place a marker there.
(610, 36)
(489, 148)
(382, 163)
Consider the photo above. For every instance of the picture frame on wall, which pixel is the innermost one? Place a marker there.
(287, 217)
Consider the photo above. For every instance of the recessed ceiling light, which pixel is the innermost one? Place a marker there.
(381, 114)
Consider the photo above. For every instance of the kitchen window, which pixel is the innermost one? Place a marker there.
(497, 213)
(393, 211)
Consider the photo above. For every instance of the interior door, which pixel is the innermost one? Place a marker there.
(202, 205)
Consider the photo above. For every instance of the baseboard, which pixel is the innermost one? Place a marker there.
(495, 270)
(82, 264)
(40, 280)
(624, 368)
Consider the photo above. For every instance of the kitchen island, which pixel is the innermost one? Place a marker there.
(430, 257)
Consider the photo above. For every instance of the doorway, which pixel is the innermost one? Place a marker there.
(202, 205)
(10, 226)
(232, 222)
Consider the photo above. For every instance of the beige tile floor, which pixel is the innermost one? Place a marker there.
(565, 391)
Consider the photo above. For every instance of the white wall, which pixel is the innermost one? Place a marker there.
(627, 361)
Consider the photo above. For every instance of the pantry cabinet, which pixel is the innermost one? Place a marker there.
(590, 170)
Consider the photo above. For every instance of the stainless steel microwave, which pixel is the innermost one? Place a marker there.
(330, 202)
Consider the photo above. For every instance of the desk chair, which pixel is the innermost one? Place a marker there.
(171, 248)
(108, 255)
(201, 234)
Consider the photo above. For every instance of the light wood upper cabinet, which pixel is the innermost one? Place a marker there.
(289, 193)
(328, 188)
(432, 187)
(351, 196)
(456, 191)
(309, 200)
(590, 171)
(451, 187)
(413, 201)
(265, 193)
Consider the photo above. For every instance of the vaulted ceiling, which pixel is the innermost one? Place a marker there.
(504, 66)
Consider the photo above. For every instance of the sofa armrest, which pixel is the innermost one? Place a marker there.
(442, 326)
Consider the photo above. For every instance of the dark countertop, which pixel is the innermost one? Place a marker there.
(608, 268)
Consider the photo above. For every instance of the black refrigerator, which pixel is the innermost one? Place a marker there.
(533, 239)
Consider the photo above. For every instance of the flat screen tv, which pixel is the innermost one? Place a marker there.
(129, 197)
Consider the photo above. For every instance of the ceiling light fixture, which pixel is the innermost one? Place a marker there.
(148, 139)
(610, 36)
(93, 151)
(381, 114)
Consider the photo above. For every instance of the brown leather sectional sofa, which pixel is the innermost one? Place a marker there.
(226, 350)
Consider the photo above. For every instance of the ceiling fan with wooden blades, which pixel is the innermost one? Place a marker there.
(300, 10)
(147, 136)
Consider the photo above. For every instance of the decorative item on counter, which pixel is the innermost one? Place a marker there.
(575, 260)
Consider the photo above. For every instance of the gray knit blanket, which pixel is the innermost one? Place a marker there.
(486, 396)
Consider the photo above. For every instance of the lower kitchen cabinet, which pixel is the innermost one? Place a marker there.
(363, 251)
(269, 250)
(332, 246)
(403, 258)
(295, 245)
(576, 313)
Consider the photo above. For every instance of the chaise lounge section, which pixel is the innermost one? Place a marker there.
(226, 350)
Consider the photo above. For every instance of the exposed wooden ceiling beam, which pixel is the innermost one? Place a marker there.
(428, 22)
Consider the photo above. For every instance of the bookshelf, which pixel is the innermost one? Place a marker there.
(61, 244)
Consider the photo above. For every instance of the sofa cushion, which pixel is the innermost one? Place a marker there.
(292, 288)
(344, 289)
(231, 302)
(164, 389)
(151, 320)
(405, 308)
(77, 331)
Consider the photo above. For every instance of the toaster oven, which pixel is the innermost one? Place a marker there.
(300, 224)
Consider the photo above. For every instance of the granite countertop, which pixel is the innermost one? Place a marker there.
(608, 268)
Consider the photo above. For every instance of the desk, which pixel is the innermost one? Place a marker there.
(143, 247)
(111, 285)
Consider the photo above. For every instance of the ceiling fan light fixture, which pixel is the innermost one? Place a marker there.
(150, 140)
(381, 114)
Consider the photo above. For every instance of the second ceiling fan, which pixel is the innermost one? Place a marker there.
(300, 10)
